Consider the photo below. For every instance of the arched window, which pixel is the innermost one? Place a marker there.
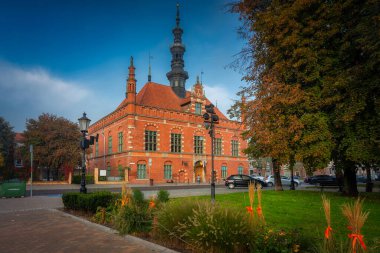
(141, 170)
(240, 169)
(168, 170)
(224, 171)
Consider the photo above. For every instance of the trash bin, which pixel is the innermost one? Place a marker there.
(12, 188)
(151, 182)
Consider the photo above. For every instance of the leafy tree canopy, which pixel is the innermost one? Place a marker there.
(55, 140)
(7, 137)
(312, 68)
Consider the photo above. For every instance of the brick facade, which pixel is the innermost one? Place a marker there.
(155, 113)
(132, 119)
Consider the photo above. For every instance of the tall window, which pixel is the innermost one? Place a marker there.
(217, 146)
(175, 143)
(240, 170)
(235, 147)
(224, 171)
(168, 171)
(198, 108)
(120, 137)
(108, 171)
(110, 145)
(96, 149)
(150, 140)
(198, 144)
(141, 171)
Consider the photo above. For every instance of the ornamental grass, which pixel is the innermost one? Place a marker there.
(356, 218)
(328, 241)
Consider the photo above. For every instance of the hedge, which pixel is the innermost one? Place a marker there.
(77, 178)
(88, 202)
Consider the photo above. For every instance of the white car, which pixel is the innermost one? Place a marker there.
(258, 177)
(284, 181)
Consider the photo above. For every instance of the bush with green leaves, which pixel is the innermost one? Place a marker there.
(138, 197)
(171, 215)
(77, 179)
(88, 202)
(133, 218)
(163, 196)
(214, 228)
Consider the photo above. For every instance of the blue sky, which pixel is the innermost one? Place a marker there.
(69, 56)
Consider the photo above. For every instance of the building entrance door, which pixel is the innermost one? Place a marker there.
(199, 172)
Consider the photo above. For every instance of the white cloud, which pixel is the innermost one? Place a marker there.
(220, 96)
(29, 92)
(37, 86)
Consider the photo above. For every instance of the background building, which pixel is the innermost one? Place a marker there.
(158, 133)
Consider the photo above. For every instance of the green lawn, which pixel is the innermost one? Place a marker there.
(303, 210)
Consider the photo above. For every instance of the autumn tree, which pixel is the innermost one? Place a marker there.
(327, 51)
(279, 110)
(55, 143)
(7, 146)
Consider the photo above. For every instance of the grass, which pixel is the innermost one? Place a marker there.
(303, 210)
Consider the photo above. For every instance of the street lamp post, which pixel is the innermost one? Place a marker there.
(84, 122)
(210, 119)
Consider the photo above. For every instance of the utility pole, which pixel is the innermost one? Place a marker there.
(31, 169)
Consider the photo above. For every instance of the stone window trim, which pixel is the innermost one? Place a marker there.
(199, 144)
(175, 143)
(224, 171)
(235, 147)
(141, 172)
(168, 171)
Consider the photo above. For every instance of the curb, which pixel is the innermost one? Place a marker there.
(130, 238)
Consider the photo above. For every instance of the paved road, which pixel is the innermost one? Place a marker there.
(174, 189)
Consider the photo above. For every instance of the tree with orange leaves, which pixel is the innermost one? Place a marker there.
(329, 52)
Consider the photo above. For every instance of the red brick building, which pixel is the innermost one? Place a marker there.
(159, 133)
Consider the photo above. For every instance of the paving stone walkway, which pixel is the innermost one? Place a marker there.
(30, 225)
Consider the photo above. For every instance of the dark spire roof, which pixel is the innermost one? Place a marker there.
(177, 76)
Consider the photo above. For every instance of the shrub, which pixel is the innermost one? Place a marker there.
(88, 202)
(102, 178)
(171, 215)
(263, 239)
(77, 179)
(133, 218)
(138, 197)
(163, 196)
(216, 229)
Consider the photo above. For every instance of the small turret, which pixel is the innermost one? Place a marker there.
(131, 83)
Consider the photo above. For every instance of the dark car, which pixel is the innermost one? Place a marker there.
(323, 180)
(242, 181)
(361, 179)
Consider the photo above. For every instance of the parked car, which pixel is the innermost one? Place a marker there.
(323, 180)
(284, 181)
(361, 179)
(258, 177)
(242, 181)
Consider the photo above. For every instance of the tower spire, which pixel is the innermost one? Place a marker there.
(177, 19)
(177, 76)
(131, 82)
(149, 69)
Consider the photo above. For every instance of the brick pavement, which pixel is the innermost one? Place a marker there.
(31, 225)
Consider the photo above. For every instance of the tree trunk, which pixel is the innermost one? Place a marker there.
(369, 184)
(350, 186)
(291, 167)
(277, 176)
